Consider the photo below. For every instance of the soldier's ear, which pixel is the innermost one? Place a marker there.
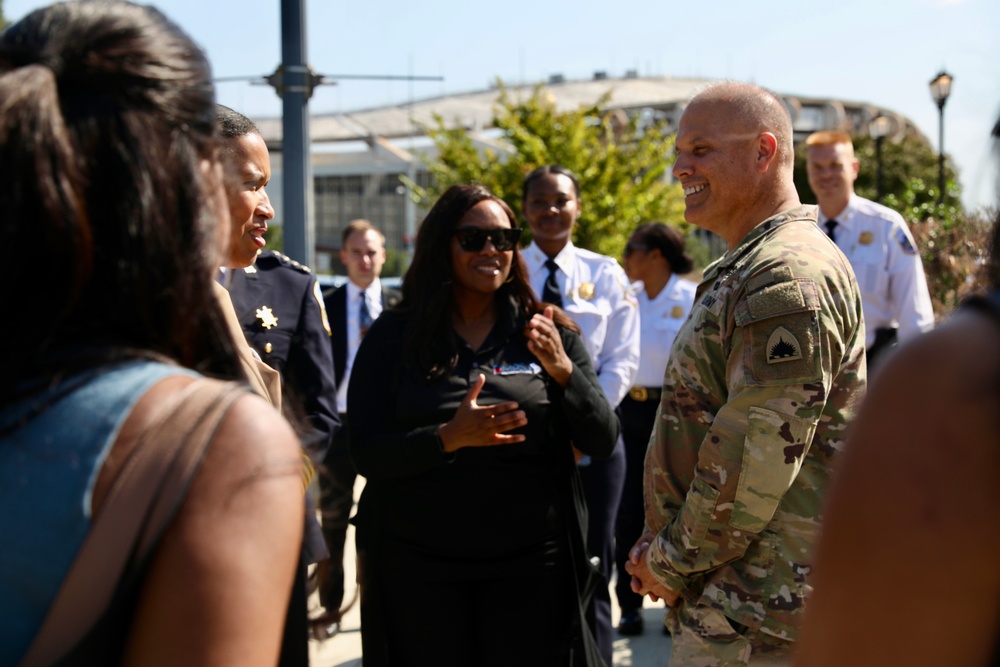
(767, 150)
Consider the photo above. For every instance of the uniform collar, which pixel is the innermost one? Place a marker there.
(672, 288)
(535, 258)
(373, 291)
(845, 217)
(734, 256)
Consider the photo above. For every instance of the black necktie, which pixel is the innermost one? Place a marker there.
(364, 315)
(550, 292)
(830, 226)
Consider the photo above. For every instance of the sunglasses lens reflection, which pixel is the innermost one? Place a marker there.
(474, 239)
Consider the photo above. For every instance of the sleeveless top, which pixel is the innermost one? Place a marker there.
(48, 467)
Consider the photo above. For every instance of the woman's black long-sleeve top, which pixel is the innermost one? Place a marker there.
(497, 507)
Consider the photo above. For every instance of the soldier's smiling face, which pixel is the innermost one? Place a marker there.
(715, 165)
(248, 168)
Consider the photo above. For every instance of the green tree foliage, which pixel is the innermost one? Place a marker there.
(621, 166)
(954, 248)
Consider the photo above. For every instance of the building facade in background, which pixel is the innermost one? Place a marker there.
(361, 158)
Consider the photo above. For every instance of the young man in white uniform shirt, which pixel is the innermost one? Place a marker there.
(876, 241)
(595, 292)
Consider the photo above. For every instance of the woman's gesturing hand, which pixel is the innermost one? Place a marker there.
(481, 426)
(545, 343)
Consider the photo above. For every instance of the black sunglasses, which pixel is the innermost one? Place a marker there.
(472, 239)
(632, 247)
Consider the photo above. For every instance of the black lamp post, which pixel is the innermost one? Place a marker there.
(940, 90)
(879, 129)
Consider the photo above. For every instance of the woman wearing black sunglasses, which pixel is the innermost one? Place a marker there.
(471, 397)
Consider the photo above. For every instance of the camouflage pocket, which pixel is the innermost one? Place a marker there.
(696, 514)
(780, 332)
(773, 452)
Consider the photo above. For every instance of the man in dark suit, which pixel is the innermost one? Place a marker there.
(352, 309)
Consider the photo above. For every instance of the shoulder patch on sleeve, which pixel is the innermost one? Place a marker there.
(792, 296)
(776, 275)
(318, 293)
(904, 242)
(780, 333)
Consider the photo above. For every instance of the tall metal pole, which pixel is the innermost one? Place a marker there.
(295, 89)
(941, 150)
(940, 90)
(878, 161)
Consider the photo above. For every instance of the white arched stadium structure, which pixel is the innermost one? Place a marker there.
(359, 156)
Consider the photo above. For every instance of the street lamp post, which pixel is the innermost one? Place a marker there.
(940, 90)
(879, 129)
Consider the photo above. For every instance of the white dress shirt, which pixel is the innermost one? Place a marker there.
(660, 320)
(354, 294)
(880, 248)
(597, 295)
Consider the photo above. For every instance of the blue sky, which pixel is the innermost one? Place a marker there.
(879, 51)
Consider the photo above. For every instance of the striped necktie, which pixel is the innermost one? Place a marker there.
(364, 315)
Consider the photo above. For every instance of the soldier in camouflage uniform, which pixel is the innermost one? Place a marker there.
(761, 383)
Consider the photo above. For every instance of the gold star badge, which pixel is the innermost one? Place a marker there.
(266, 317)
(586, 291)
(677, 312)
(866, 238)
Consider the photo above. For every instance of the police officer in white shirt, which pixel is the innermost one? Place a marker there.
(593, 290)
(654, 257)
(877, 242)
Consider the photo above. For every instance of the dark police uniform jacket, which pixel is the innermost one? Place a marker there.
(280, 307)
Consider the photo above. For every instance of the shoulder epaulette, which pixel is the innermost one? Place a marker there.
(284, 260)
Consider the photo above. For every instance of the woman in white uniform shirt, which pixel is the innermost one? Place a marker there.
(655, 256)
(595, 292)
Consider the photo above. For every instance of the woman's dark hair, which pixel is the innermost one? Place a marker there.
(110, 201)
(549, 169)
(670, 243)
(232, 123)
(427, 283)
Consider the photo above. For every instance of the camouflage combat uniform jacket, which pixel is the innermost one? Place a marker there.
(761, 383)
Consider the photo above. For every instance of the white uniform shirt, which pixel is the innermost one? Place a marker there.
(660, 320)
(374, 295)
(597, 295)
(881, 250)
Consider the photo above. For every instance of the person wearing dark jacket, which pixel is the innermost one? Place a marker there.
(466, 402)
(351, 308)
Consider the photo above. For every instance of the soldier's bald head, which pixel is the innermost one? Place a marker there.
(753, 109)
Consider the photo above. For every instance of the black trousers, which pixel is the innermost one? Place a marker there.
(336, 500)
(602, 486)
(499, 622)
(638, 418)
